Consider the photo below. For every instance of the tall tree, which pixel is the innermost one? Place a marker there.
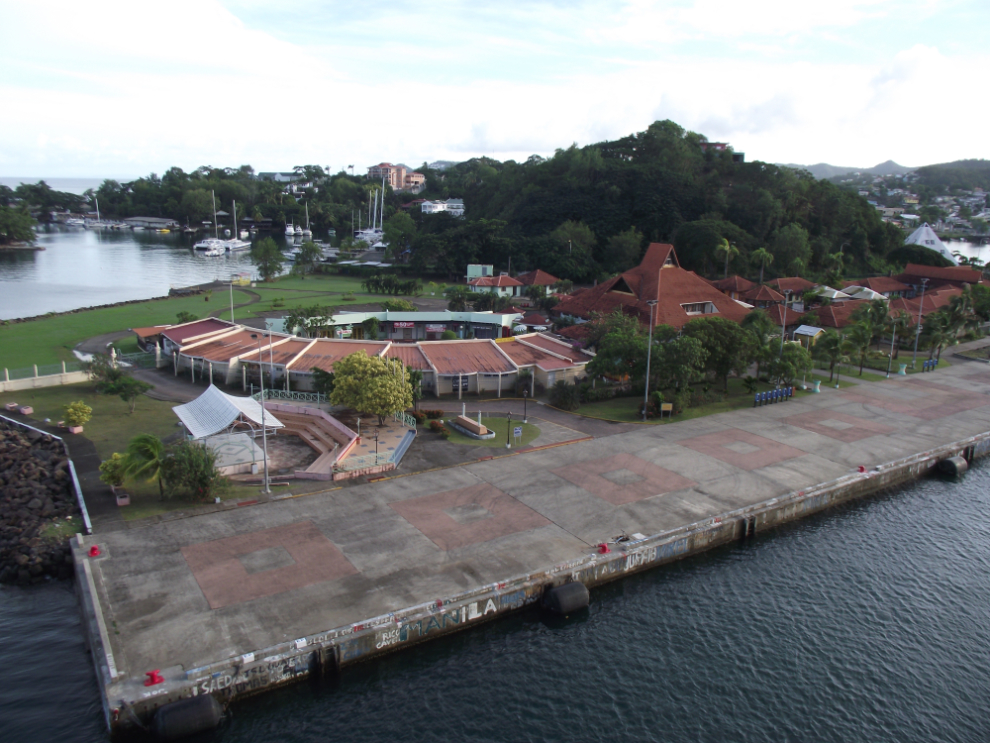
(268, 258)
(143, 459)
(728, 250)
(727, 343)
(763, 256)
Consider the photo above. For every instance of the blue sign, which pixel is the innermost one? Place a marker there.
(517, 432)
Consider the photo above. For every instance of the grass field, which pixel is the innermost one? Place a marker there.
(111, 427)
(500, 427)
(52, 339)
(626, 409)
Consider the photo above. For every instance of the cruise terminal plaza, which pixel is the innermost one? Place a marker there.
(253, 595)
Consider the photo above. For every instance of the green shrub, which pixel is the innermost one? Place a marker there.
(433, 414)
(78, 413)
(565, 396)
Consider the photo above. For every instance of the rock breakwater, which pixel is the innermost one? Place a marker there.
(37, 503)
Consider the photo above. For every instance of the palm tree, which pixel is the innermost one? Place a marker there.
(829, 348)
(960, 313)
(764, 256)
(874, 314)
(834, 275)
(143, 459)
(937, 333)
(761, 328)
(729, 250)
(897, 323)
(859, 338)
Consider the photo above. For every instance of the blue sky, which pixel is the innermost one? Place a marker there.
(126, 88)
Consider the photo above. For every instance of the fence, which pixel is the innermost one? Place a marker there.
(276, 394)
(42, 370)
(318, 397)
(364, 461)
(139, 360)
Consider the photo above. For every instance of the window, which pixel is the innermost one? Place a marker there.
(699, 308)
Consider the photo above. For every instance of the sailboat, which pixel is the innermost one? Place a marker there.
(211, 243)
(234, 244)
(307, 232)
(373, 235)
(98, 224)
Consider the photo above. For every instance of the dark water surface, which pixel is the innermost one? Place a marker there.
(866, 623)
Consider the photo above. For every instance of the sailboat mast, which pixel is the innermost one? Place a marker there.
(381, 220)
(233, 203)
(97, 208)
(216, 229)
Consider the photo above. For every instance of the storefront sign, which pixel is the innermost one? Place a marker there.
(435, 328)
(404, 324)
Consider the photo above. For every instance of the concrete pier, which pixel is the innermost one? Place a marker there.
(236, 602)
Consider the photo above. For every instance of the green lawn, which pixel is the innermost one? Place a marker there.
(112, 425)
(500, 426)
(626, 409)
(51, 340)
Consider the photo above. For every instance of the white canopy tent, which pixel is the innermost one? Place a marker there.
(926, 237)
(863, 292)
(215, 412)
(830, 293)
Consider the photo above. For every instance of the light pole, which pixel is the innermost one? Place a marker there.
(917, 330)
(264, 431)
(525, 398)
(649, 348)
(893, 340)
(508, 429)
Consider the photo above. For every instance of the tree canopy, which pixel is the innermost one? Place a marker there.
(370, 384)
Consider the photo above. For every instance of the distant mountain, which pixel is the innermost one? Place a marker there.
(826, 171)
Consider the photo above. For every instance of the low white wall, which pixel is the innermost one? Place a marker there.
(50, 380)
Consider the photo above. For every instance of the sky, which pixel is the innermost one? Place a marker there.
(123, 89)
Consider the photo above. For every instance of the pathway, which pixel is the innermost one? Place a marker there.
(269, 573)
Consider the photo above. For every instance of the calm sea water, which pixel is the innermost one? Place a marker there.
(866, 623)
(84, 268)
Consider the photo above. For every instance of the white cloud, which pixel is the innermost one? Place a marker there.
(100, 91)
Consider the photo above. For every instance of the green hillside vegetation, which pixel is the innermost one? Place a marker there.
(963, 175)
(583, 214)
(589, 212)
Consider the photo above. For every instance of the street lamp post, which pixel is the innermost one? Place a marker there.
(890, 356)
(264, 430)
(649, 349)
(508, 429)
(525, 398)
(917, 330)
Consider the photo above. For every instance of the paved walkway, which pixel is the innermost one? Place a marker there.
(216, 586)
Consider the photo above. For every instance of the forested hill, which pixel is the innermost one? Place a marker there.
(961, 174)
(589, 212)
(583, 214)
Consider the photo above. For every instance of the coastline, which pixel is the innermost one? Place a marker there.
(22, 246)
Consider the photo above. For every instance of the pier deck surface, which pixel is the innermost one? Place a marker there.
(199, 590)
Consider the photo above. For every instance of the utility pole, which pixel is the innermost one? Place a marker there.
(649, 349)
(917, 330)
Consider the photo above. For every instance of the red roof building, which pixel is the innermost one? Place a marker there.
(733, 286)
(504, 285)
(539, 277)
(761, 296)
(681, 295)
(791, 285)
(938, 276)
